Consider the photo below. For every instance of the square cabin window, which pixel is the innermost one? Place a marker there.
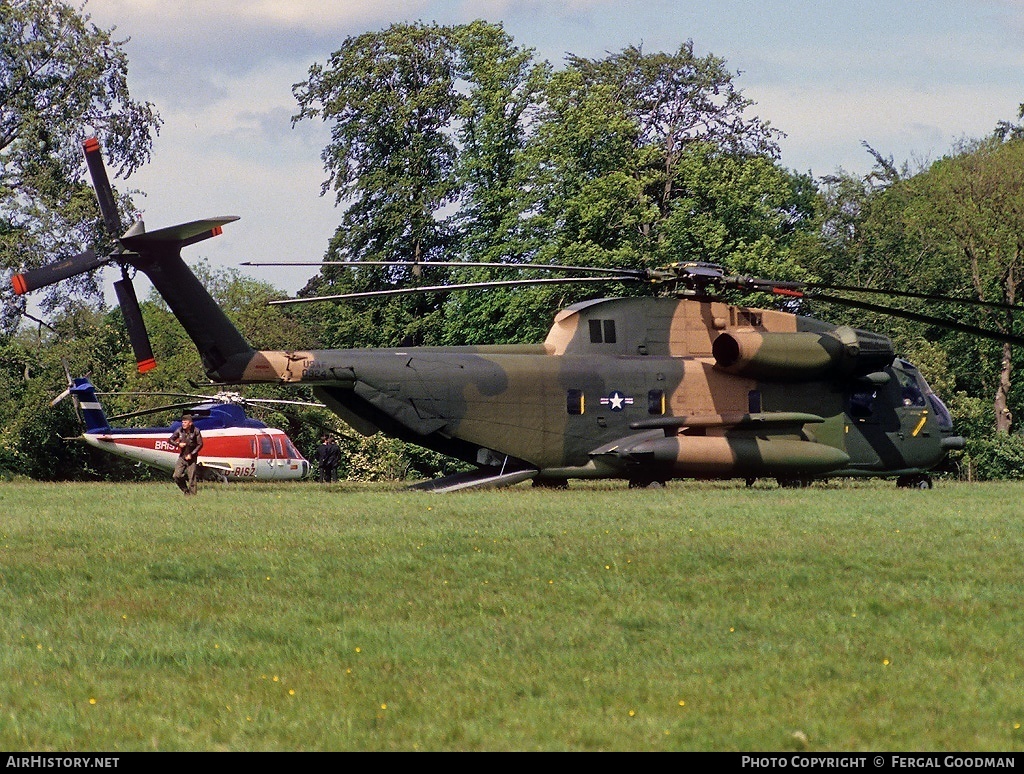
(656, 402)
(574, 401)
(602, 331)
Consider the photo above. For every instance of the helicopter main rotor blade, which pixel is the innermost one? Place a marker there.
(287, 402)
(159, 394)
(635, 274)
(923, 296)
(795, 287)
(941, 322)
(196, 398)
(157, 410)
(448, 288)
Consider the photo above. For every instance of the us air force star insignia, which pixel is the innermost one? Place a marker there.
(617, 401)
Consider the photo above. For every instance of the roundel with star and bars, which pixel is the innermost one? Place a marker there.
(616, 400)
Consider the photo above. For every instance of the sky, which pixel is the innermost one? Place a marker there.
(908, 77)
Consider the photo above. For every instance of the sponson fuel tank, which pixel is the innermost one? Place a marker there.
(724, 456)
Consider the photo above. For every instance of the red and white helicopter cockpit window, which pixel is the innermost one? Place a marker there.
(266, 448)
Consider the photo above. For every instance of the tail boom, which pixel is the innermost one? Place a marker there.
(224, 351)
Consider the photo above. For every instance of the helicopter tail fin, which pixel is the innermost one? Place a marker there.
(224, 351)
(84, 395)
(157, 254)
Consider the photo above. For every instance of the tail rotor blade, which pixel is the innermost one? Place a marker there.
(55, 272)
(88, 260)
(136, 327)
(67, 373)
(60, 397)
(100, 181)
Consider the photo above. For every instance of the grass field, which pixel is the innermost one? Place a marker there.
(850, 616)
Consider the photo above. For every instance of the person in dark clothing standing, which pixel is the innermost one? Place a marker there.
(333, 459)
(189, 441)
(321, 459)
(328, 457)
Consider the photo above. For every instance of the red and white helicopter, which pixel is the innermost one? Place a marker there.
(236, 447)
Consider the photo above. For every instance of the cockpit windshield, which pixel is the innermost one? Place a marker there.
(916, 391)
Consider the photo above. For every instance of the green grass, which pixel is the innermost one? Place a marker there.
(702, 616)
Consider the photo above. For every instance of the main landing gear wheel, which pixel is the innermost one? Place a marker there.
(550, 483)
(916, 481)
(645, 483)
(794, 483)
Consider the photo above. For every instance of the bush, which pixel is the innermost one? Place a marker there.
(993, 457)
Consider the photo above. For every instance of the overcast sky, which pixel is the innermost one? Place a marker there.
(909, 77)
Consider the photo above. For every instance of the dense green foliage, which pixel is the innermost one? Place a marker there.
(634, 160)
(952, 229)
(451, 143)
(294, 617)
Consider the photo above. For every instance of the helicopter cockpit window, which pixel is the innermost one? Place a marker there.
(266, 449)
(574, 401)
(602, 332)
(910, 391)
(941, 412)
(862, 403)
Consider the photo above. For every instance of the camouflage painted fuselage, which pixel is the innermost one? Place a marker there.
(646, 389)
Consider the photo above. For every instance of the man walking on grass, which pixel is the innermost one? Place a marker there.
(189, 441)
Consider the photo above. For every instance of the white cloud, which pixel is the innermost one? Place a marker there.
(826, 126)
(225, 17)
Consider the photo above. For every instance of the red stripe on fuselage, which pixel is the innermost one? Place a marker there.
(216, 443)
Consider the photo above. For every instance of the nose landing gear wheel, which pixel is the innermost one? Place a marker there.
(916, 481)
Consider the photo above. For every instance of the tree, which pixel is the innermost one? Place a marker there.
(503, 87)
(951, 229)
(450, 142)
(968, 211)
(390, 98)
(677, 100)
(644, 159)
(427, 122)
(60, 76)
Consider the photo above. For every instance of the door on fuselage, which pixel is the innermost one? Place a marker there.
(266, 462)
(278, 458)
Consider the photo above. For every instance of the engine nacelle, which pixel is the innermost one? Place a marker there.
(802, 355)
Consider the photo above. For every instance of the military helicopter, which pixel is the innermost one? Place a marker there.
(644, 389)
(236, 447)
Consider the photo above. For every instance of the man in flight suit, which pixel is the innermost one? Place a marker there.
(189, 441)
